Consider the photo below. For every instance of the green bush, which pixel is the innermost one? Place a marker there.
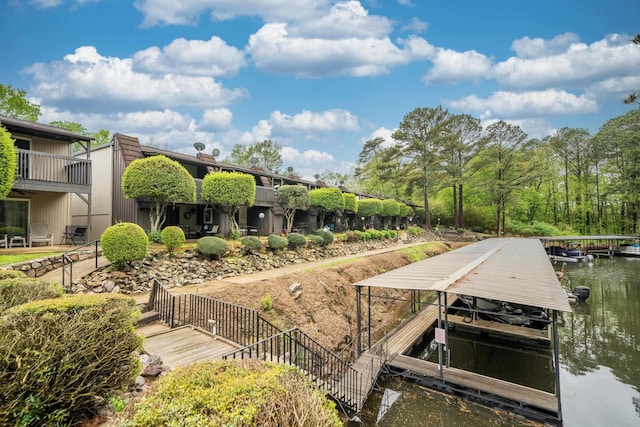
(362, 235)
(60, 357)
(414, 230)
(155, 236)
(267, 303)
(296, 240)
(10, 274)
(211, 246)
(315, 240)
(352, 236)
(374, 234)
(124, 243)
(276, 243)
(173, 237)
(234, 393)
(392, 234)
(19, 290)
(384, 234)
(327, 237)
(252, 244)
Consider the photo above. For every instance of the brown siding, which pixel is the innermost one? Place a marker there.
(124, 152)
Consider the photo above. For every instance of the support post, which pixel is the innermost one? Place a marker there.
(358, 319)
(556, 361)
(369, 317)
(439, 326)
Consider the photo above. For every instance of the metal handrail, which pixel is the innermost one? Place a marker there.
(67, 263)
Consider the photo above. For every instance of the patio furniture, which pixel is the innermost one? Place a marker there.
(17, 241)
(4, 241)
(209, 230)
(39, 233)
(74, 234)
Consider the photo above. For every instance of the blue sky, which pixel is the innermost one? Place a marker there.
(318, 77)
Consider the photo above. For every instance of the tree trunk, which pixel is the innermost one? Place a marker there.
(460, 210)
(456, 221)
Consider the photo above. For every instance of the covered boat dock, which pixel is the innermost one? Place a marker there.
(597, 245)
(515, 271)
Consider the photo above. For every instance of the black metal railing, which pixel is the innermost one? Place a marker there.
(239, 324)
(326, 371)
(68, 260)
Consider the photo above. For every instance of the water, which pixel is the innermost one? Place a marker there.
(599, 362)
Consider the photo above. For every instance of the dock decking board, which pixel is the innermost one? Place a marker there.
(501, 328)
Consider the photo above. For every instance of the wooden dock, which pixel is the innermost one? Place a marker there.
(184, 345)
(501, 328)
(481, 386)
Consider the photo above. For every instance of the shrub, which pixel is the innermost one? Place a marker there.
(252, 244)
(315, 240)
(276, 243)
(296, 240)
(211, 246)
(235, 392)
(414, 230)
(352, 236)
(173, 237)
(392, 234)
(19, 290)
(267, 303)
(327, 237)
(59, 358)
(124, 243)
(362, 235)
(155, 237)
(10, 274)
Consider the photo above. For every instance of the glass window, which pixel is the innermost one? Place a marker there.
(14, 217)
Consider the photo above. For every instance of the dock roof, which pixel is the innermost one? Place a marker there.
(515, 270)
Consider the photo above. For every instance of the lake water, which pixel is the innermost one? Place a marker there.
(599, 362)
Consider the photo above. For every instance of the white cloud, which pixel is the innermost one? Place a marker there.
(416, 25)
(450, 66)
(504, 104)
(192, 57)
(578, 65)
(86, 80)
(45, 4)
(216, 119)
(158, 12)
(274, 49)
(383, 133)
(537, 47)
(307, 121)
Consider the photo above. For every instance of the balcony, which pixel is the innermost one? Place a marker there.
(39, 171)
(265, 196)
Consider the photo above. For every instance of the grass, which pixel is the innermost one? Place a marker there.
(18, 258)
(334, 263)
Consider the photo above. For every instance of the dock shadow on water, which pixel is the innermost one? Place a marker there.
(599, 363)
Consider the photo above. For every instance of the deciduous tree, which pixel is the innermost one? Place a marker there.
(229, 190)
(163, 181)
(14, 103)
(326, 200)
(8, 161)
(292, 198)
(266, 154)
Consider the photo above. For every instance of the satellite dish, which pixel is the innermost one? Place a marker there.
(215, 152)
(316, 176)
(199, 146)
(253, 160)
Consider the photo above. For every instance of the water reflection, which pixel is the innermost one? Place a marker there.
(599, 362)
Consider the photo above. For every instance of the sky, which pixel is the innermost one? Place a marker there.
(318, 77)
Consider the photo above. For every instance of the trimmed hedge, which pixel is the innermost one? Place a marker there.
(173, 237)
(252, 244)
(212, 246)
(124, 243)
(59, 358)
(19, 290)
(315, 240)
(276, 243)
(234, 393)
(296, 240)
(327, 237)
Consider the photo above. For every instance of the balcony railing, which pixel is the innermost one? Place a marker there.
(45, 169)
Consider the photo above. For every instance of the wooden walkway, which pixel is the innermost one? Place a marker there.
(502, 328)
(184, 345)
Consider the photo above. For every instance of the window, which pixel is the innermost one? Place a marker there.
(14, 217)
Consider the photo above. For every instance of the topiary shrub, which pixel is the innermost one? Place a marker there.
(234, 393)
(327, 237)
(314, 240)
(362, 235)
(213, 247)
(414, 230)
(296, 240)
(124, 243)
(173, 237)
(276, 243)
(59, 358)
(10, 274)
(252, 244)
(351, 236)
(384, 234)
(19, 290)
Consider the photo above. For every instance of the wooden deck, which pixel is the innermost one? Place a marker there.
(486, 385)
(502, 328)
(184, 345)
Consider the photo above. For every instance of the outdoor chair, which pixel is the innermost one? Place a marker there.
(39, 233)
(74, 234)
(4, 241)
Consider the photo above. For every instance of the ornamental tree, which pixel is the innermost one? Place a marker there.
(390, 208)
(8, 161)
(292, 198)
(229, 190)
(163, 181)
(326, 200)
(369, 208)
(350, 202)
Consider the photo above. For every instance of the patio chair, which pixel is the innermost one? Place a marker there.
(4, 241)
(39, 233)
(74, 234)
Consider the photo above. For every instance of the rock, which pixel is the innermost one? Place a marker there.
(140, 382)
(295, 290)
(152, 365)
(108, 285)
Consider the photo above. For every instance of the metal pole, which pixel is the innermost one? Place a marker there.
(446, 328)
(369, 318)
(358, 320)
(439, 325)
(556, 361)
